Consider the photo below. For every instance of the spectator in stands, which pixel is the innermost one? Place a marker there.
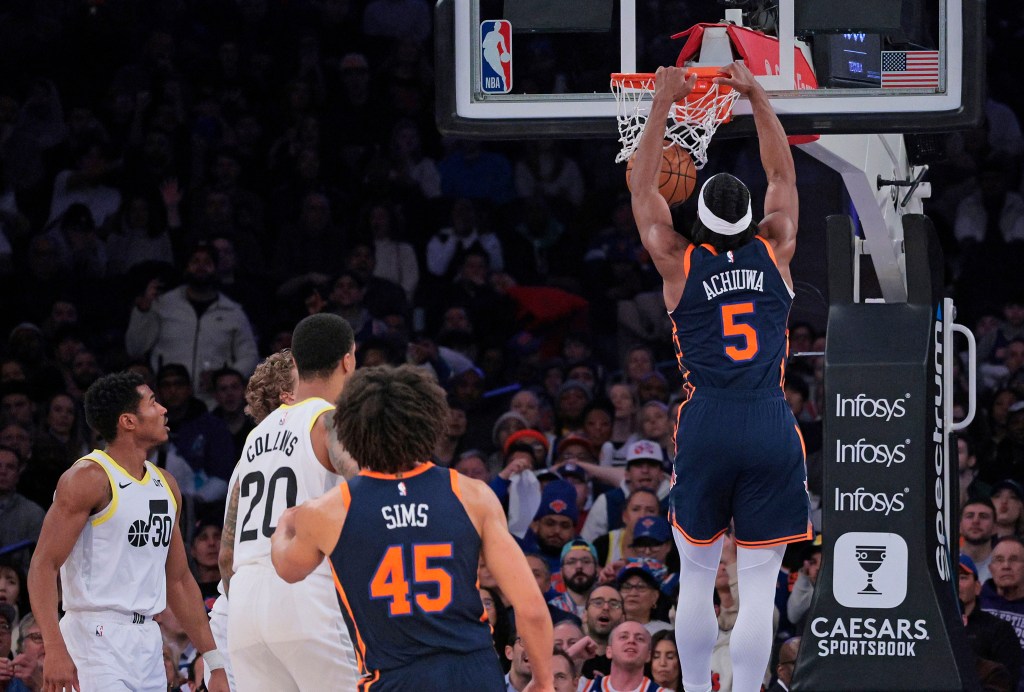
(204, 551)
(567, 633)
(614, 547)
(79, 248)
(195, 325)
(581, 482)
(644, 460)
(1003, 594)
(447, 248)
(229, 393)
(571, 406)
(990, 637)
(625, 424)
(554, 524)
(787, 664)
(640, 586)
(665, 668)
(1008, 498)
(472, 465)
(20, 518)
(13, 590)
(28, 664)
(16, 406)
(84, 185)
(579, 573)
(199, 436)
(629, 651)
(604, 613)
(971, 485)
(519, 674)
(141, 232)
(978, 529)
(563, 668)
(310, 243)
(803, 589)
(655, 425)
(382, 295)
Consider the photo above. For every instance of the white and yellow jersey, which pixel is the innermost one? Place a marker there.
(119, 560)
(278, 469)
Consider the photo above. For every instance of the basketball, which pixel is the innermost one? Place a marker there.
(678, 175)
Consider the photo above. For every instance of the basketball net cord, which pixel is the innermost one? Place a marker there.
(691, 123)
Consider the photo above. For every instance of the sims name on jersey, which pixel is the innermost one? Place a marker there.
(401, 516)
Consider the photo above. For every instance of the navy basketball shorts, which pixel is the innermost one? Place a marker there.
(739, 457)
(444, 672)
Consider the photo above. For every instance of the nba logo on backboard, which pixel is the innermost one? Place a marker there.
(496, 56)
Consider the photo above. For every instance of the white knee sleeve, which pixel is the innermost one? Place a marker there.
(696, 623)
(750, 644)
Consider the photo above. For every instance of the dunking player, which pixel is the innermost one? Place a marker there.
(290, 636)
(404, 539)
(271, 384)
(112, 532)
(739, 453)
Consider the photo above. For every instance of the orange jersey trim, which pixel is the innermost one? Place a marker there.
(686, 261)
(360, 644)
(695, 541)
(422, 468)
(803, 447)
(346, 495)
(771, 251)
(366, 683)
(807, 535)
(710, 248)
(456, 488)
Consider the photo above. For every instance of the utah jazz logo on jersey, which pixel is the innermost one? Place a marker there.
(496, 51)
(156, 529)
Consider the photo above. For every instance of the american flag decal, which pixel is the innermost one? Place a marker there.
(916, 69)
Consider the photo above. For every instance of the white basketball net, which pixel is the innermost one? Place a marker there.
(691, 124)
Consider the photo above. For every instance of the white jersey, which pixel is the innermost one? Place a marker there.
(277, 470)
(119, 561)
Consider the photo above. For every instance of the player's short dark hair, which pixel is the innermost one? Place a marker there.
(390, 418)
(728, 198)
(109, 397)
(319, 342)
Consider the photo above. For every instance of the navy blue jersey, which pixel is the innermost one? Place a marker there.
(729, 328)
(406, 569)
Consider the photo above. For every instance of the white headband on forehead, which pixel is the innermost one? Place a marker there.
(717, 224)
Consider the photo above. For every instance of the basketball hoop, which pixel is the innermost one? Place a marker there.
(691, 122)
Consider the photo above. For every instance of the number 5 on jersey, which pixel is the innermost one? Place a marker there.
(389, 580)
(732, 329)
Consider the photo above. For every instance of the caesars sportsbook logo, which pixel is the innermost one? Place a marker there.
(870, 571)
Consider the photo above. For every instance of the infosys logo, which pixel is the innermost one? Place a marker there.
(862, 452)
(863, 406)
(860, 500)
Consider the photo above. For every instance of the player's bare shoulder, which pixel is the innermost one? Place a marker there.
(342, 462)
(85, 484)
(479, 500)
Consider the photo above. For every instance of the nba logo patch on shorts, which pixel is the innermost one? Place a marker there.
(496, 56)
(99, 630)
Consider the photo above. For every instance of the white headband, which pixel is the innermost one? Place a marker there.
(717, 224)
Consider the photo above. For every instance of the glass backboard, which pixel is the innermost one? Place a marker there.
(540, 68)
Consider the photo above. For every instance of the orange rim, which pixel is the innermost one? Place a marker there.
(645, 80)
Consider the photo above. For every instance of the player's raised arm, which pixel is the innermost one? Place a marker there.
(506, 562)
(781, 202)
(650, 210)
(82, 490)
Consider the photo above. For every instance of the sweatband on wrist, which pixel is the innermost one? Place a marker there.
(214, 659)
